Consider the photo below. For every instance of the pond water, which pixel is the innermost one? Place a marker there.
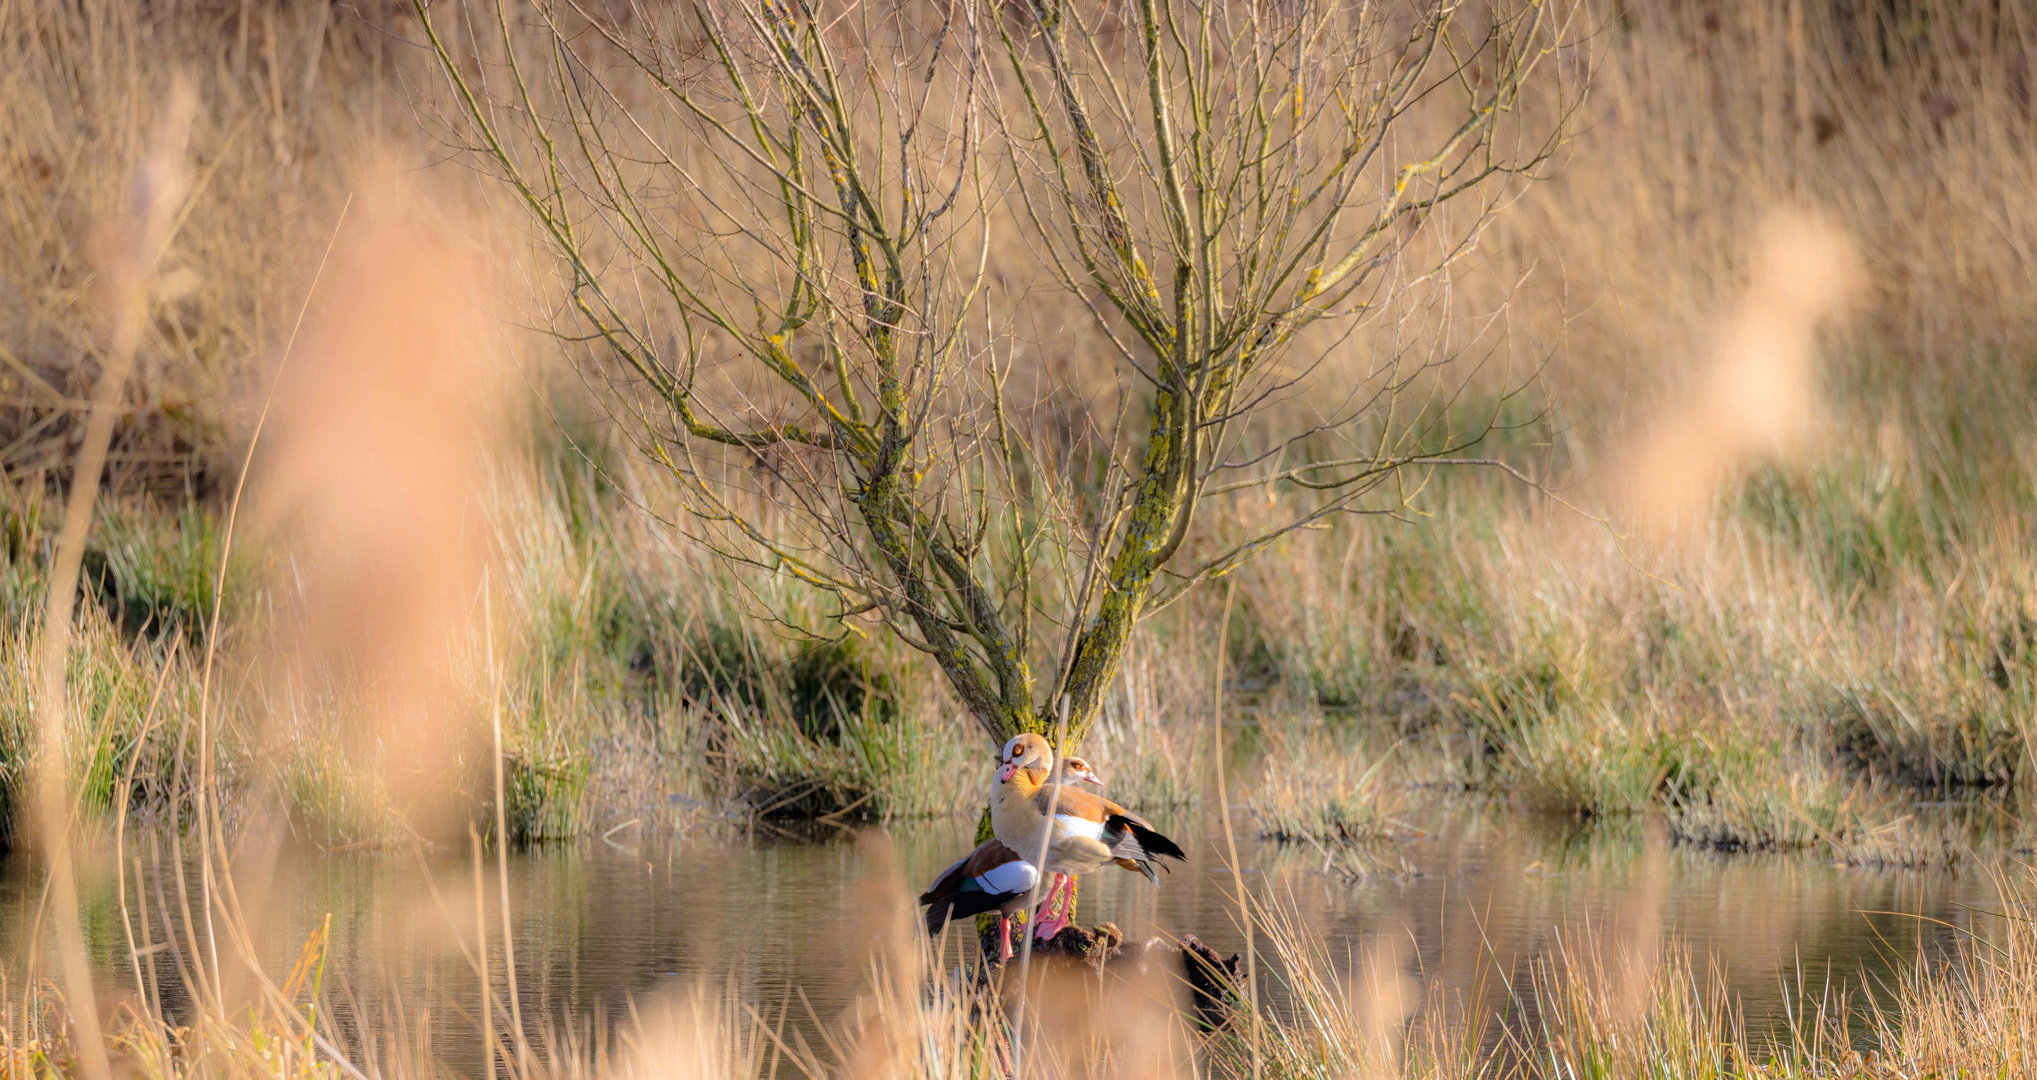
(598, 924)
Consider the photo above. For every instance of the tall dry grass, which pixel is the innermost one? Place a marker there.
(287, 94)
(1841, 626)
(1845, 628)
(1847, 620)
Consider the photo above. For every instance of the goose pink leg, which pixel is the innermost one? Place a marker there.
(1003, 938)
(1043, 914)
(1052, 918)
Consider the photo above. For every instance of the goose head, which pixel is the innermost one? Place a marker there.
(1027, 751)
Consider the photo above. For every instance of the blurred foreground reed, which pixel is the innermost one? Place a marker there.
(459, 609)
(1615, 1005)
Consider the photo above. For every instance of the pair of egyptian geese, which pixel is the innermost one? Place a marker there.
(1041, 827)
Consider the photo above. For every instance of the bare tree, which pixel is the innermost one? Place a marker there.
(784, 225)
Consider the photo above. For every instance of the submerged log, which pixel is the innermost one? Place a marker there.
(1213, 981)
(1096, 946)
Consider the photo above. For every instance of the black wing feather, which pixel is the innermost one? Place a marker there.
(965, 905)
(1129, 838)
(950, 898)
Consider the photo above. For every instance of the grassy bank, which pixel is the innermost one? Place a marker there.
(1778, 686)
(1744, 692)
(1847, 632)
(632, 684)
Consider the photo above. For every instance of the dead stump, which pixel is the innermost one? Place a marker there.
(1213, 981)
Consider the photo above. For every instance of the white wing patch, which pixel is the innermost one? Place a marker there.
(1079, 826)
(1014, 876)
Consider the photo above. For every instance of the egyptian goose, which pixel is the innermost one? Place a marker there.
(1088, 832)
(991, 878)
(1076, 769)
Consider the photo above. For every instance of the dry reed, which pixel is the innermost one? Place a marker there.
(1849, 624)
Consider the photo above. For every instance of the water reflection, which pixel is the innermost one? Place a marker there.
(784, 921)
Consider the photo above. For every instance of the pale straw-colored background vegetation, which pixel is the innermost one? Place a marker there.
(375, 563)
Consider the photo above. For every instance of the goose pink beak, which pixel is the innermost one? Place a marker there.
(1005, 770)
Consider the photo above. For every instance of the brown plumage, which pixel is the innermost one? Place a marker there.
(1085, 833)
(991, 878)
